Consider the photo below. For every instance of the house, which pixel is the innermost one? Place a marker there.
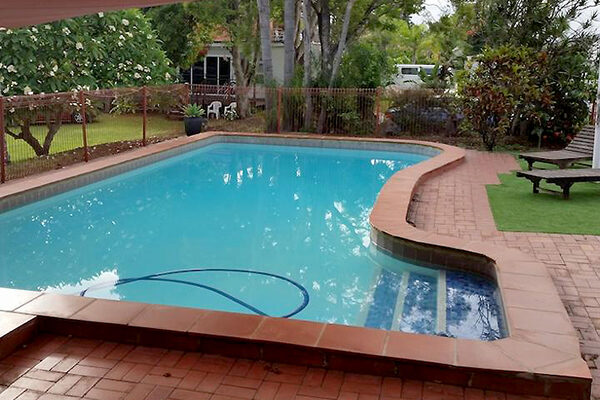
(215, 66)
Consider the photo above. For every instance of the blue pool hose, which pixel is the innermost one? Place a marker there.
(158, 277)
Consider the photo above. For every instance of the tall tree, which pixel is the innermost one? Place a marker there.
(264, 22)
(307, 77)
(289, 36)
(340, 23)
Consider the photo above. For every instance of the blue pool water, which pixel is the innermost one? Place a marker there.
(298, 212)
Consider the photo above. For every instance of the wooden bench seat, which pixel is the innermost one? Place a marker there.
(565, 178)
(580, 149)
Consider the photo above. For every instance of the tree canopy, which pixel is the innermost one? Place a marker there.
(97, 51)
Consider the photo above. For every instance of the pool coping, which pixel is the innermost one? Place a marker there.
(541, 355)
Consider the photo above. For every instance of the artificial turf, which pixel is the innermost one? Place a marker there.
(516, 208)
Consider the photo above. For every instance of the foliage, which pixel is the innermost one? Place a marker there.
(97, 51)
(182, 38)
(366, 66)
(364, 16)
(124, 105)
(505, 85)
(559, 29)
(193, 111)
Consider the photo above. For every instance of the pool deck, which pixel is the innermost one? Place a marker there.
(541, 355)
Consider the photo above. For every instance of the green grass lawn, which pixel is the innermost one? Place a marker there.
(516, 208)
(106, 128)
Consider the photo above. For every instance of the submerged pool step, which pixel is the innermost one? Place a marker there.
(387, 309)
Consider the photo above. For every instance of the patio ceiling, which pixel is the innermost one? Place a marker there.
(19, 13)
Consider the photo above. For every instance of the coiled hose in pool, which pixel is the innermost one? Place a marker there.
(160, 278)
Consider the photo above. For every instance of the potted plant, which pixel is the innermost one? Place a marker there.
(193, 118)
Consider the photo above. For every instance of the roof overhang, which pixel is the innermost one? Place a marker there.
(20, 13)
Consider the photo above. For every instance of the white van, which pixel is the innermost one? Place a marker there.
(408, 75)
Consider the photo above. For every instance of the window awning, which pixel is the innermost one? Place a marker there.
(20, 13)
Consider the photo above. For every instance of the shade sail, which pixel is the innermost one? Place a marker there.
(19, 13)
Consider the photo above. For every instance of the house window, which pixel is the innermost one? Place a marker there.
(209, 71)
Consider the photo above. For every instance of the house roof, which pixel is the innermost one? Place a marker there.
(19, 13)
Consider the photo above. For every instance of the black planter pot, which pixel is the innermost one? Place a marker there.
(194, 125)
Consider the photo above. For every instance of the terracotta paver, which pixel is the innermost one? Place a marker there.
(455, 203)
(63, 368)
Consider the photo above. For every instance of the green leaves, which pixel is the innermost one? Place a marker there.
(97, 51)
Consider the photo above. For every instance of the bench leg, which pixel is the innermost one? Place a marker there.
(530, 164)
(536, 185)
(566, 188)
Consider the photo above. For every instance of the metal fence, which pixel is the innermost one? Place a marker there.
(50, 131)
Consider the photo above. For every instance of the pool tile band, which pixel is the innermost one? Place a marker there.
(541, 356)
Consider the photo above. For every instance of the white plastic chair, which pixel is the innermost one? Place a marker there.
(214, 108)
(230, 107)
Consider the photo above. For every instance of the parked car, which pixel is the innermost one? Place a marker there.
(416, 118)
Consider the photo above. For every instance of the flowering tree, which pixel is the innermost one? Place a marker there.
(98, 51)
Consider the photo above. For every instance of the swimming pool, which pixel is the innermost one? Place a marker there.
(296, 212)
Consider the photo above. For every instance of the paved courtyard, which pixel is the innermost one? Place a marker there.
(455, 203)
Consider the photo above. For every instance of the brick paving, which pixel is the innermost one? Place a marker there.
(455, 203)
(63, 368)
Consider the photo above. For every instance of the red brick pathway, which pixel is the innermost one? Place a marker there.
(455, 203)
(61, 368)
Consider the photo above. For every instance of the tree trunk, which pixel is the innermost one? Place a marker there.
(337, 60)
(306, 80)
(334, 65)
(264, 15)
(241, 77)
(289, 36)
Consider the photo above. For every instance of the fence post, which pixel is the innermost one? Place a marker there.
(278, 110)
(82, 110)
(377, 109)
(2, 143)
(145, 117)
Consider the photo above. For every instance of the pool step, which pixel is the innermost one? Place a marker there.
(387, 308)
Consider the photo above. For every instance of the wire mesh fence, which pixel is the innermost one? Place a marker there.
(49, 131)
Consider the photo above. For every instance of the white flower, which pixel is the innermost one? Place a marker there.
(47, 27)
(137, 76)
(101, 14)
(27, 90)
(167, 76)
(125, 22)
(34, 29)
(66, 31)
(148, 78)
(139, 67)
(121, 37)
(11, 68)
(9, 31)
(112, 28)
(52, 73)
(5, 90)
(149, 37)
(79, 45)
(129, 34)
(55, 68)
